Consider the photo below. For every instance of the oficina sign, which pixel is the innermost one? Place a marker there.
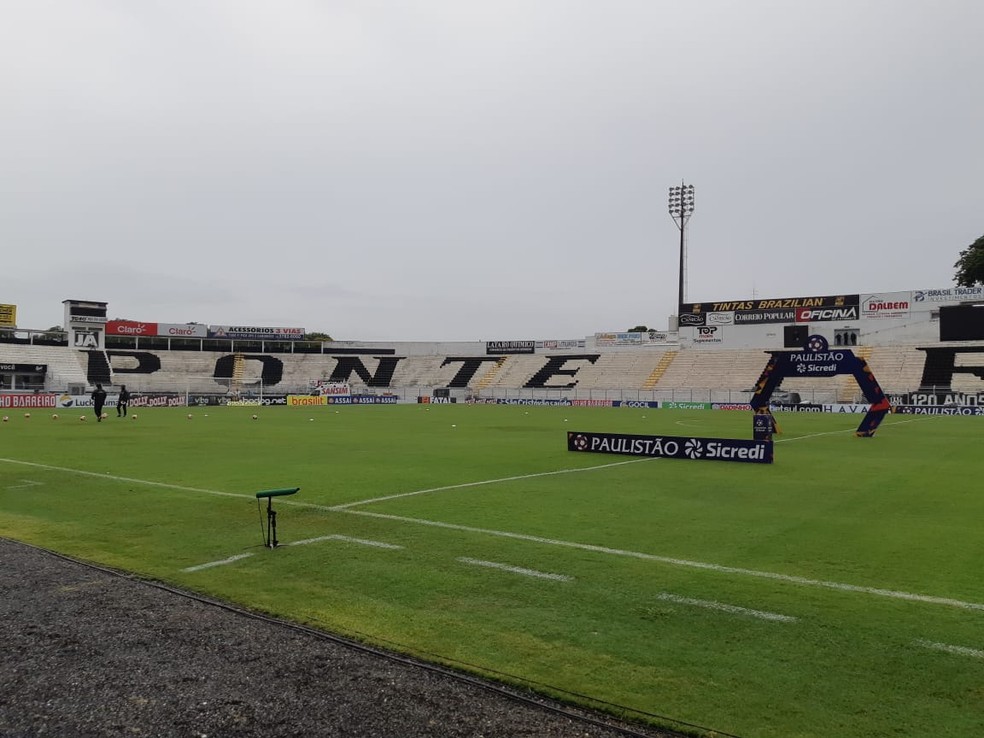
(672, 447)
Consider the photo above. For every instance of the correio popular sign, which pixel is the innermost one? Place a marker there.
(672, 447)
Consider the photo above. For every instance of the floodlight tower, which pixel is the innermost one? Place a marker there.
(681, 208)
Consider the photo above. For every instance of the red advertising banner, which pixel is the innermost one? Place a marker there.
(130, 328)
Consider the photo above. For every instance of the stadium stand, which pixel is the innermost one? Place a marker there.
(65, 366)
(626, 370)
(656, 373)
(725, 369)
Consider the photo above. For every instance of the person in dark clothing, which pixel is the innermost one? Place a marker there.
(123, 402)
(98, 400)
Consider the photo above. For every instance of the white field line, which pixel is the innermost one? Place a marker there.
(733, 609)
(947, 648)
(347, 539)
(115, 478)
(397, 496)
(803, 581)
(846, 430)
(366, 542)
(223, 562)
(27, 483)
(789, 578)
(306, 541)
(484, 482)
(516, 569)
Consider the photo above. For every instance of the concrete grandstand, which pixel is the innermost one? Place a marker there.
(713, 353)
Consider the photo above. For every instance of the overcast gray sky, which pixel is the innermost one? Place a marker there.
(455, 170)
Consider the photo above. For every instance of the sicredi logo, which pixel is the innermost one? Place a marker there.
(672, 447)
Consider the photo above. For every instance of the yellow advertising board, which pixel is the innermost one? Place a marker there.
(305, 401)
(8, 316)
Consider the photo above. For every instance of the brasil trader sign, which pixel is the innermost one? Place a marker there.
(672, 447)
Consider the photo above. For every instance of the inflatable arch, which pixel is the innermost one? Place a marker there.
(817, 360)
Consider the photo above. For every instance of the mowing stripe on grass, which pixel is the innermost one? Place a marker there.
(735, 609)
(223, 562)
(947, 648)
(516, 569)
(790, 578)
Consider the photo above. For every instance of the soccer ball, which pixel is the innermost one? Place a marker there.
(81, 417)
(134, 417)
(5, 418)
(189, 416)
(254, 417)
(54, 416)
(27, 415)
(104, 416)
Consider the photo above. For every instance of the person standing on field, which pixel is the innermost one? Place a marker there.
(123, 402)
(98, 400)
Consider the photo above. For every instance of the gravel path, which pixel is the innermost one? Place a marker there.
(88, 652)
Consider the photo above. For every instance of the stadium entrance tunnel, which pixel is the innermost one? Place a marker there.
(817, 360)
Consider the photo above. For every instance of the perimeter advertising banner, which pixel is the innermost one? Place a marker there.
(306, 401)
(937, 410)
(27, 401)
(672, 447)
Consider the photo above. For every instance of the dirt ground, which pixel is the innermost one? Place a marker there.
(90, 652)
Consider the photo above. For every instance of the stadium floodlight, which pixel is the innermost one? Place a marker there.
(681, 205)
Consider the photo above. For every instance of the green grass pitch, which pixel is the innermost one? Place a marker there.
(837, 592)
